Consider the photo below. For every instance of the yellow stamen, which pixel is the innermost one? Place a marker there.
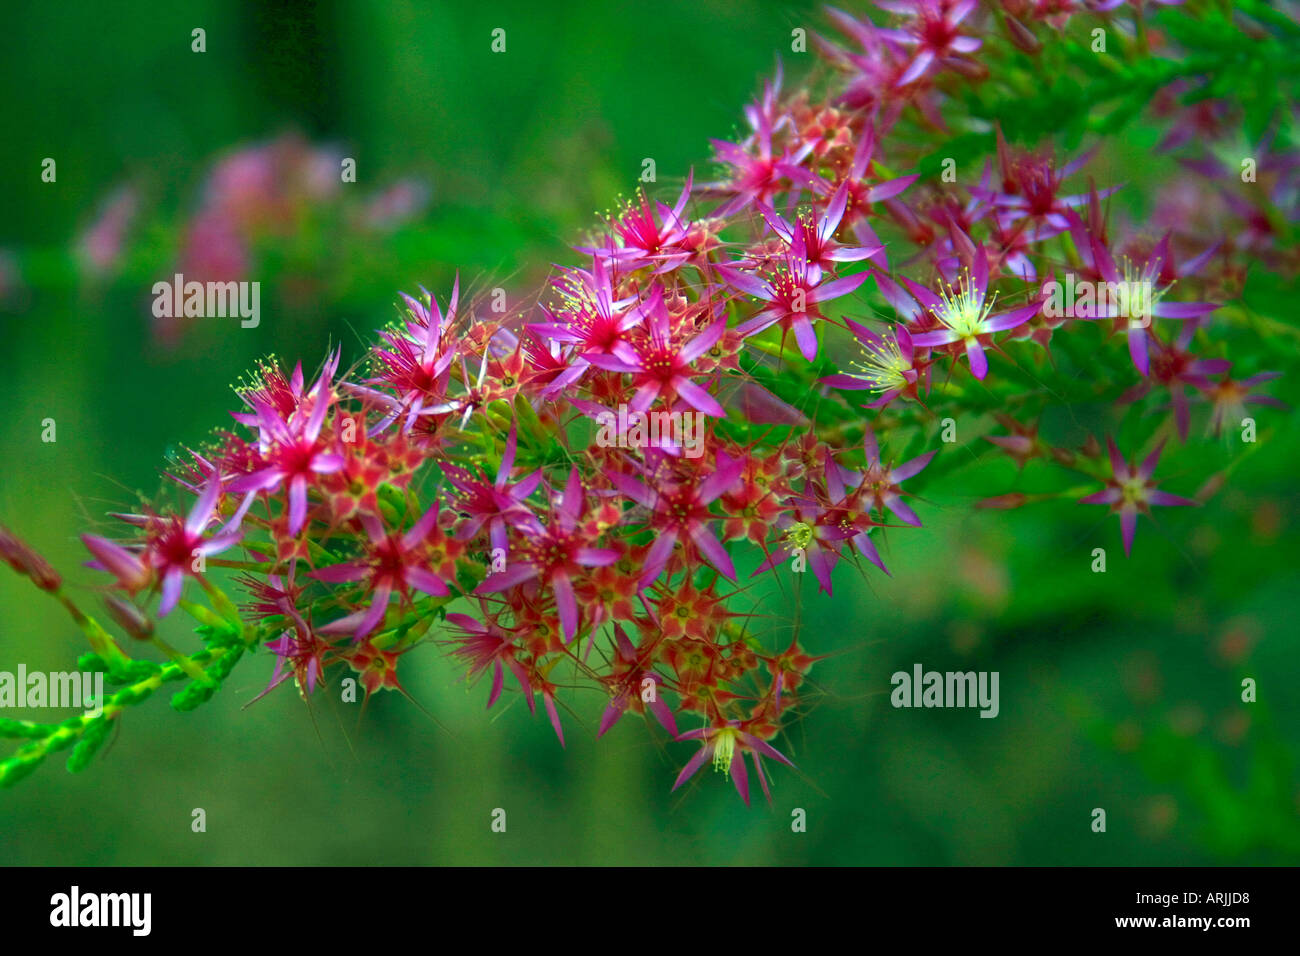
(884, 365)
(961, 311)
(724, 748)
(800, 534)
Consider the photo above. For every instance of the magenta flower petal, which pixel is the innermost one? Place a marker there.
(822, 565)
(979, 363)
(766, 749)
(611, 716)
(297, 503)
(740, 776)
(806, 337)
(698, 398)
(1128, 524)
(1137, 347)
(549, 701)
(124, 565)
(911, 468)
(1158, 497)
(502, 580)
(498, 681)
(201, 513)
(722, 480)
(839, 287)
(664, 714)
(900, 508)
(426, 581)
(935, 338)
(341, 573)
(1012, 319)
(1183, 310)
(694, 764)
(714, 551)
(867, 548)
(1109, 496)
(657, 557)
(173, 582)
(566, 604)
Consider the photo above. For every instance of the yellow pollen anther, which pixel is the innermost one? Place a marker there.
(961, 311)
(800, 534)
(884, 365)
(724, 748)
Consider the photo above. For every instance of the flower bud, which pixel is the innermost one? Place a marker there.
(27, 562)
(1064, 456)
(129, 617)
(11, 550)
(130, 571)
(1003, 502)
(1022, 36)
(1213, 485)
(42, 573)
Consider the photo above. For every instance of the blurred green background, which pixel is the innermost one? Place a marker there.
(1118, 690)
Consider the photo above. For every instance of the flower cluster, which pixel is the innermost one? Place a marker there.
(275, 193)
(268, 189)
(451, 484)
